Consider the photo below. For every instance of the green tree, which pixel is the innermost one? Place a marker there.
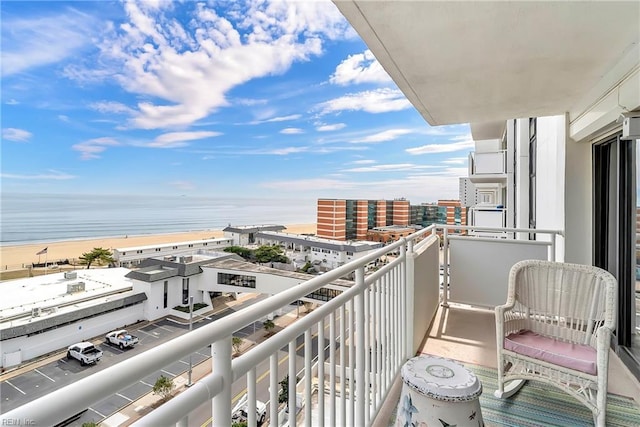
(163, 387)
(268, 326)
(239, 250)
(97, 255)
(239, 424)
(89, 424)
(268, 253)
(283, 396)
(236, 343)
(305, 268)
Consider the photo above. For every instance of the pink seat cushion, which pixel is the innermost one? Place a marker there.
(573, 356)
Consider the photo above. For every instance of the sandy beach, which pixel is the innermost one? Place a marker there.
(12, 257)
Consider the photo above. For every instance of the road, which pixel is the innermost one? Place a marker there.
(201, 416)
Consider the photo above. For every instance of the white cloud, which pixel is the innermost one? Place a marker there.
(363, 162)
(399, 167)
(360, 68)
(12, 102)
(111, 107)
(179, 139)
(17, 135)
(387, 135)
(277, 119)
(183, 185)
(91, 148)
(185, 72)
(63, 118)
(373, 101)
(308, 185)
(32, 42)
(274, 151)
(291, 131)
(455, 161)
(464, 142)
(51, 175)
(329, 128)
(250, 102)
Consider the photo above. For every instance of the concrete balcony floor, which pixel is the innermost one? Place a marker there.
(468, 335)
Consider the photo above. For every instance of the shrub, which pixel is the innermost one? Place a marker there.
(163, 387)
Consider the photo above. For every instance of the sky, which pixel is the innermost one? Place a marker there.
(248, 99)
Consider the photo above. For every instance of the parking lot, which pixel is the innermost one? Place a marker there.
(37, 382)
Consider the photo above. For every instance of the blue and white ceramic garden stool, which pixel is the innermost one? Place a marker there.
(439, 392)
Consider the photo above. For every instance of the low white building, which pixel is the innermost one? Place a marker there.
(243, 235)
(134, 255)
(327, 253)
(42, 314)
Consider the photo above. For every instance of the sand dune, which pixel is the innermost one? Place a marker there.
(14, 256)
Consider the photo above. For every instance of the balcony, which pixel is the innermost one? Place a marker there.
(487, 216)
(387, 313)
(488, 167)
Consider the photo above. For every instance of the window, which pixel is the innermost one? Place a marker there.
(138, 252)
(175, 247)
(166, 294)
(185, 290)
(324, 294)
(158, 249)
(237, 280)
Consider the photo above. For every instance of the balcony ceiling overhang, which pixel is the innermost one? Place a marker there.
(476, 62)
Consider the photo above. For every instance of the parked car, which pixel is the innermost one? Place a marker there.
(85, 352)
(239, 413)
(121, 338)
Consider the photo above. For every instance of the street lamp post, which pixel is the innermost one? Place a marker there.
(190, 329)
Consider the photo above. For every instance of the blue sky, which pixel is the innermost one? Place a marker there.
(255, 99)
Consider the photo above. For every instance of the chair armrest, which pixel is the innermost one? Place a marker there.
(603, 338)
(501, 309)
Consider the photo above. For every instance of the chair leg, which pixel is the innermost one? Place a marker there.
(509, 389)
(599, 416)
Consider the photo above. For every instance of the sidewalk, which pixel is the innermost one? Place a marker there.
(137, 409)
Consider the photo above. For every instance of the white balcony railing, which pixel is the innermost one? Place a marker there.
(373, 328)
(487, 164)
(492, 217)
(373, 314)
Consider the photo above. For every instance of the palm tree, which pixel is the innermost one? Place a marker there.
(236, 343)
(269, 326)
(97, 255)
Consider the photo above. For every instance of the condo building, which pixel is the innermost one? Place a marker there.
(341, 219)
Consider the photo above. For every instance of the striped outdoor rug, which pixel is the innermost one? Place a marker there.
(537, 404)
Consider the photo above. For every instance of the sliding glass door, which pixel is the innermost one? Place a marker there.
(615, 216)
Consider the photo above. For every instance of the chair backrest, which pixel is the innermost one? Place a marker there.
(563, 300)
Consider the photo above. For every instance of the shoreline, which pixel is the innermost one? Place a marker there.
(16, 255)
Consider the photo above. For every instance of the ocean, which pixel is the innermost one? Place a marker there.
(39, 218)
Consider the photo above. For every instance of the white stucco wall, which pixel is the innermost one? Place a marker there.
(64, 336)
(578, 239)
(550, 177)
(521, 175)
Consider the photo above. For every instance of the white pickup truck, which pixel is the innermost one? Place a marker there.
(239, 413)
(121, 338)
(85, 352)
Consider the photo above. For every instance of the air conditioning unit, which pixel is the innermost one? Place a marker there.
(70, 275)
(36, 311)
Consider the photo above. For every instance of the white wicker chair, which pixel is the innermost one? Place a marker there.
(562, 305)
